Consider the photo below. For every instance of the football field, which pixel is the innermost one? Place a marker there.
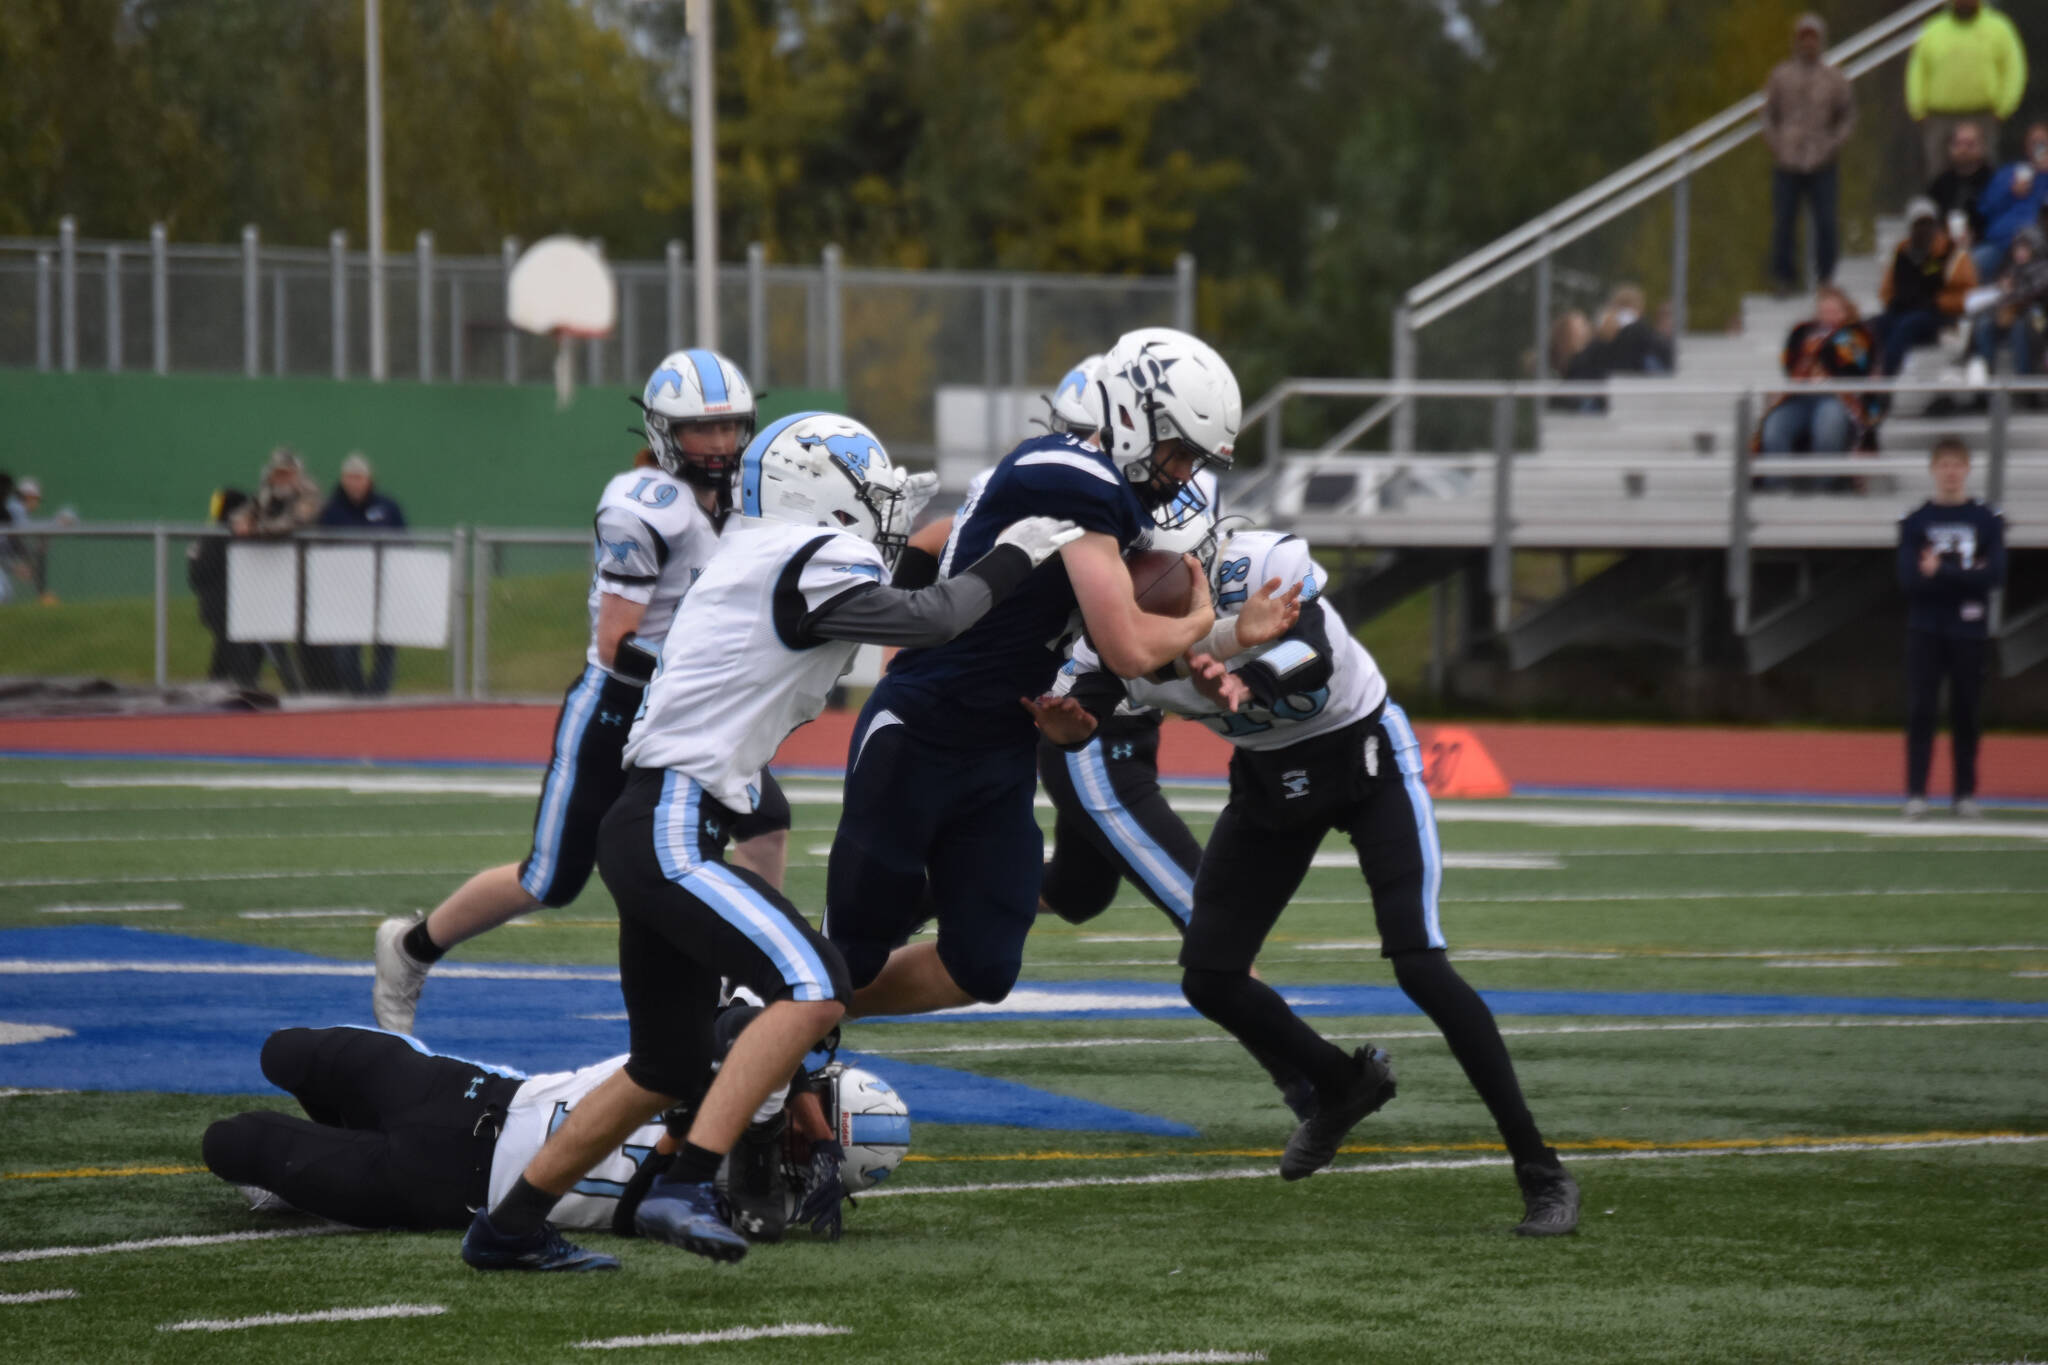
(1797, 1057)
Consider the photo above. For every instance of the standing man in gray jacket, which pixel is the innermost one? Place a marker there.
(1808, 112)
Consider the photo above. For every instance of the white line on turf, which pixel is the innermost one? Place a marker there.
(1456, 1164)
(1470, 862)
(15, 966)
(1887, 827)
(1532, 1031)
(242, 836)
(30, 1033)
(165, 878)
(337, 913)
(387, 1310)
(1159, 1358)
(160, 1244)
(1834, 962)
(113, 908)
(1585, 897)
(39, 1296)
(784, 1329)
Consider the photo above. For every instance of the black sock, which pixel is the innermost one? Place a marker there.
(1467, 1025)
(523, 1209)
(694, 1165)
(1257, 1017)
(420, 946)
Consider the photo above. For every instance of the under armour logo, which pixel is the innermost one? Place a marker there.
(611, 718)
(1122, 751)
(714, 830)
(1296, 782)
(475, 1084)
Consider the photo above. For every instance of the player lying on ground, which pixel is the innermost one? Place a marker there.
(1319, 746)
(656, 529)
(399, 1137)
(797, 585)
(940, 771)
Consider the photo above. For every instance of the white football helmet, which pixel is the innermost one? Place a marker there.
(822, 469)
(1158, 385)
(1076, 411)
(871, 1122)
(696, 386)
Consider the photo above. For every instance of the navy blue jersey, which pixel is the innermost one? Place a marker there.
(964, 692)
(1970, 540)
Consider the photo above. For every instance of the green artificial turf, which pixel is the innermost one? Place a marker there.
(1704, 1238)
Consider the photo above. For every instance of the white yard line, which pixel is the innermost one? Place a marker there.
(339, 913)
(113, 908)
(361, 784)
(1532, 1031)
(15, 966)
(166, 878)
(1269, 1172)
(159, 1244)
(1159, 1358)
(1884, 827)
(30, 1033)
(12, 1093)
(784, 1329)
(241, 836)
(388, 1310)
(39, 1296)
(1584, 897)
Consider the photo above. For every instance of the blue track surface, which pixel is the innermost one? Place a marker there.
(152, 1011)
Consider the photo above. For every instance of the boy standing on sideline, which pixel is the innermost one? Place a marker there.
(1951, 559)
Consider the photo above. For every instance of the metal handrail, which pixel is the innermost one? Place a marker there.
(1707, 142)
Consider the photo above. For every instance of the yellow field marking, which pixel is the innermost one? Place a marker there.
(1424, 1149)
(101, 1172)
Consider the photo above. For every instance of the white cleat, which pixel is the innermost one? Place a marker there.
(1915, 809)
(1968, 809)
(400, 975)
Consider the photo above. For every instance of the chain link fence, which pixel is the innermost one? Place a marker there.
(890, 339)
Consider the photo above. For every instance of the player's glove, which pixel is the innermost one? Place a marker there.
(918, 491)
(1039, 537)
(824, 1193)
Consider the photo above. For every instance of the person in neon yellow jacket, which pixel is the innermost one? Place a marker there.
(1967, 66)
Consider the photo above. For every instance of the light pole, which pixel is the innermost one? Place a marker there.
(373, 138)
(703, 169)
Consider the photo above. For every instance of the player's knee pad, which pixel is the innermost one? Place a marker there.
(987, 979)
(230, 1147)
(1209, 990)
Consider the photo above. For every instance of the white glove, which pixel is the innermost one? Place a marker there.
(1039, 537)
(918, 491)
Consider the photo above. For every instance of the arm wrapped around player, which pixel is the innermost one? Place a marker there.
(870, 613)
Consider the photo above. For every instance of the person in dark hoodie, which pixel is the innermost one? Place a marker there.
(356, 504)
(1925, 288)
(1951, 559)
(206, 571)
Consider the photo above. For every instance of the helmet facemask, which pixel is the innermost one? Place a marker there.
(710, 473)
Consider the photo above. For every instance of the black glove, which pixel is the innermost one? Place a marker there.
(823, 1191)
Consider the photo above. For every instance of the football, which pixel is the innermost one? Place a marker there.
(1162, 582)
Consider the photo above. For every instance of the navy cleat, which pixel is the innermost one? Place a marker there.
(685, 1214)
(486, 1248)
(1550, 1199)
(1314, 1144)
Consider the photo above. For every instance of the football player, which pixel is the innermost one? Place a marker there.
(940, 773)
(797, 585)
(395, 1136)
(655, 531)
(1319, 746)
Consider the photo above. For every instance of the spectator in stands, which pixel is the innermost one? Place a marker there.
(1625, 342)
(1924, 290)
(1571, 337)
(356, 504)
(26, 559)
(1967, 66)
(1963, 181)
(2014, 323)
(206, 571)
(286, 501)
(1833, 344)
(2013, 201)
(1808, 112)
(1951, 559)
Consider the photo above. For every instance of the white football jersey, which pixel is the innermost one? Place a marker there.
(538, 1109)
(1244, 563)
(739, 671)
(653, 539)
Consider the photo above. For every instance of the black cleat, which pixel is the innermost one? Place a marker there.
(486, 1248)
(1550, 1200)
(1314, 1144)
(1299, 1095)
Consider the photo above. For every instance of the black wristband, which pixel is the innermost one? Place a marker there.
(1002, 568)
(633, 661)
